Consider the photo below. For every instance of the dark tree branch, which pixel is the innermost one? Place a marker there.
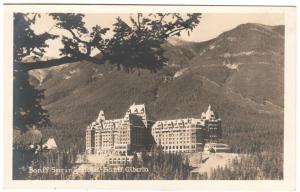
(170, 33)
(53, 62)
(162, 17)
(43, 64)
(75, 37)
(87, 44)
(133, 47)
(139, 22)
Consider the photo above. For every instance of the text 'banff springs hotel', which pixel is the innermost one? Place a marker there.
(134, 133)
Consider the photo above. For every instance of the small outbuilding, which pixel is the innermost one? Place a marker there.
(50, 144)
(216, 148)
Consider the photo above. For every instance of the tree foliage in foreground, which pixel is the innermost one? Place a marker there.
(27, 109)
(259, 166)
(133, 45)
(128, 46)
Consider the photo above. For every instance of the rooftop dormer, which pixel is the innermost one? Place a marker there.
(137, 109)
(101, 116)
(209, 113)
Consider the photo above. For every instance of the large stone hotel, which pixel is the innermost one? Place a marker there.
(134, 133)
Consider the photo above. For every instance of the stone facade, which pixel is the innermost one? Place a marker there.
(134, 132)
(118, 136)
(187, 135)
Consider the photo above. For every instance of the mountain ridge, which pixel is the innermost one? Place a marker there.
(239, 72)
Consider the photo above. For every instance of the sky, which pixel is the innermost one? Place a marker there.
(211, 25)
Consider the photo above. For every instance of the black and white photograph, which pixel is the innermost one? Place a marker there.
(148, 95)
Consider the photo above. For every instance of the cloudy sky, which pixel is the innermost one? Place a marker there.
(211, 25)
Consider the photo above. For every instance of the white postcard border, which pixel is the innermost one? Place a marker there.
(288, 183)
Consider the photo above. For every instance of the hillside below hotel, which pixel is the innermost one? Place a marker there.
(135, 133)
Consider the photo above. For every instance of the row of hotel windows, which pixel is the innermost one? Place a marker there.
(107, 133)
(112, 127)
(174, 138)
(176, 129)
(103, 145)
(117, 162)
(186, 124)
(109, 142)
(109, 139)
(178, 147)
(172, 135)
(172, 132)
(177, 142)
(180, 134)
(171, 127)
(99, 151)
(119, 125)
